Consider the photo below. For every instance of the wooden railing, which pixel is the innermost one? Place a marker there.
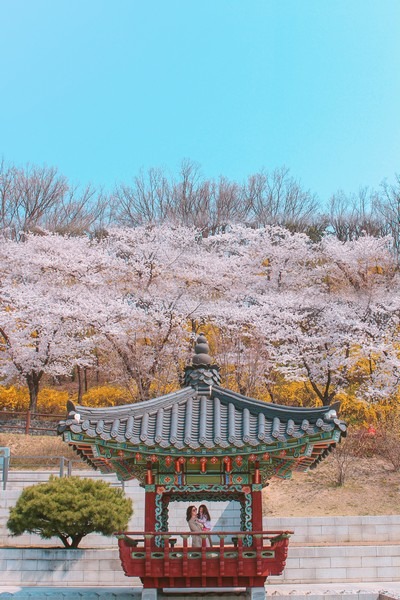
(24, 422)
(236, 558)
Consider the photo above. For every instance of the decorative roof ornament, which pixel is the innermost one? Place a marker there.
(201, 349)
(202, 371)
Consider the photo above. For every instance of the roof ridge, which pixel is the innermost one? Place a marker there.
(276, 408)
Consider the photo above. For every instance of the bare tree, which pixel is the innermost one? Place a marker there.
(207, 204)
(353, 216)
(276, 198)
(346, 456)
(146, 201)
(388, 206)
(77, 212)
(7, 197)
(190, 196)
(37, 198)
(212, 204)
(37, 190)
(227, 206)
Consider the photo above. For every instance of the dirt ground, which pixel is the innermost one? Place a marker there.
(371, 487)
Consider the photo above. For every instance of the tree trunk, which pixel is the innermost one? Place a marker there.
(85, 372)
(76, 539)
(33, 380)
(80, 383)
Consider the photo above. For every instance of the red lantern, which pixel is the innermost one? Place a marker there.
(239, 461)
(228, 464)
(257, 476)
(178, 463)
(149, 474)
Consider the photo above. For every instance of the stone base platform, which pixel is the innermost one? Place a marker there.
(337, 591)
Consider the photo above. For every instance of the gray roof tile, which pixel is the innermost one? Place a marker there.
(200, 417)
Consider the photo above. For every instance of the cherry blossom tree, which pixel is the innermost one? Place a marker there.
(340, 318)
(281, 308)
(45, 307)
(161, 284)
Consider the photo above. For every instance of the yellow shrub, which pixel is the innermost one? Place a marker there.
(52, 401)
(106, 396)
(14, 398)
(358, 412)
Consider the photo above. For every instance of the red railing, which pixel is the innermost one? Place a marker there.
(238, 558)
(24, 421)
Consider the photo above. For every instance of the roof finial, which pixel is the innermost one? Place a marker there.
(202, 350)
(202, 372)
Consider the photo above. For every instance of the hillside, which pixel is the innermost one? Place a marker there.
(371, 486)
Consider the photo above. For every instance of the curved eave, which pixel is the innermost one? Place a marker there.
(204, 420)
(281, 411)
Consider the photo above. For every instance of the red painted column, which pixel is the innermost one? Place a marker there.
(150, 509)
(257, 507)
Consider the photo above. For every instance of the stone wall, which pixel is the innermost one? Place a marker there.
(76, 568)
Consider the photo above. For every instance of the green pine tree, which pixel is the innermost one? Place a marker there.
(70, 508)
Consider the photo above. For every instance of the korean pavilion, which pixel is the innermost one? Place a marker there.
(202, 442)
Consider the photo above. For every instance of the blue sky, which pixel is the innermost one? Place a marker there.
(101, 88)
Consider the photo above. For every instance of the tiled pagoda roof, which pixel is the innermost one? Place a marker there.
(202, 419)
(206, 417)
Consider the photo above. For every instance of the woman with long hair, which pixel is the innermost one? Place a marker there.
(204, 517)
(194, 525)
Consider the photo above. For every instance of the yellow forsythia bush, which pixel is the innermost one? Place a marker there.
(52, 402)
(357, 412)
(106, 395)
(14, 398)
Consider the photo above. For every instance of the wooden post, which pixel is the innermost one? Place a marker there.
(257, 509)
(148, 543)
(258, 543)
(240, 555)
(222, 554)
(28, 422)
(166, 555)
(150, 511)
(203, 560)
(185, 559)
